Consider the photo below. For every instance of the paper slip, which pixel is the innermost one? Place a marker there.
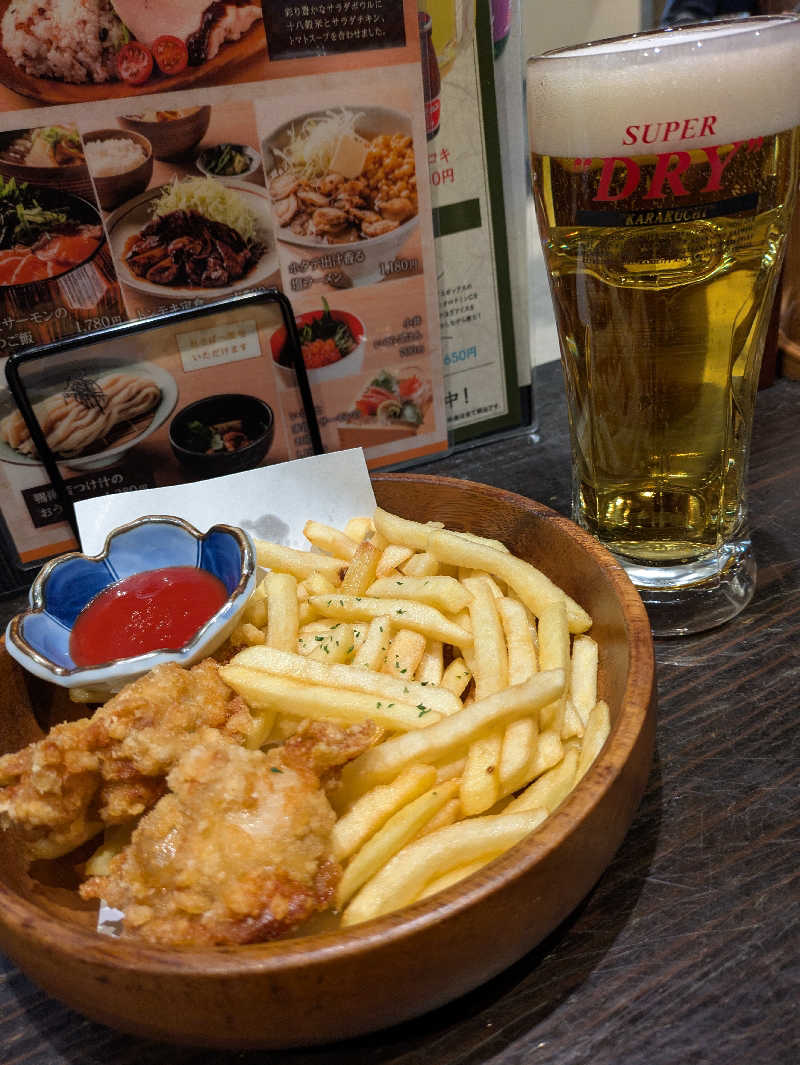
(270, 503)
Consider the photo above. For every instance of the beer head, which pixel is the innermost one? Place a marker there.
(675, 89)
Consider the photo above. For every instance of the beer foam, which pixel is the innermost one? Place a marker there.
(673, 90)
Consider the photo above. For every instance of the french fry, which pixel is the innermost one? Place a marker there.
(379, 542)
(489, 654)
(420, 564)
(454, 876)
(399, 530)
(382, 763)
(337, 646)
(318, 584)
(350, 677)
(551, 788)
(417, 616)
(256, 610)
(445, 593)
(529, 584)
(282, 612)
(299, 563)
(448, 770)
(393, 556)
(553, 654)
(520, 737)
(517, 754)
(362, 569)
(480, 782)
(434, 854)
(487, 541)
(468, 574)
(480, 787)
(448, 815)
(267, 691)
(262, 728)
(365, 817)
(387, 841)
(431, 667)
(595, 735)
(306, 637)
(306, 613)
(246, 635)
(522, 658)
(372, 652)
(456, 676)
(583, 675)
(463, 619)
(572, 725)
(549, 752)
(404, 653)
(359, 529)
(329, 540)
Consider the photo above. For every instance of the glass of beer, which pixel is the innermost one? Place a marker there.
(665, 167)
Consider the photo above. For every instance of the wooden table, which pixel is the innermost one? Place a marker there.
(686, 952)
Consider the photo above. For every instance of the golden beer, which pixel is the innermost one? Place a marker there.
(663, 210)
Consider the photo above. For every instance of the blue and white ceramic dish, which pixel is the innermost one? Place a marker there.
(39, 638)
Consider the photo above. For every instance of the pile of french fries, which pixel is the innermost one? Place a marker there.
(477, 668)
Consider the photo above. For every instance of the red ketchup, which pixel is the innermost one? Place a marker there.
(158, 610)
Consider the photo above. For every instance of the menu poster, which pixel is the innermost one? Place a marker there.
(153, 158)
(482, 384)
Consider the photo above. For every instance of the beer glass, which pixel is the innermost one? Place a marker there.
(664, 168)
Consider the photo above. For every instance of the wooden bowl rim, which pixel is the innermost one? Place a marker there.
(34, 924)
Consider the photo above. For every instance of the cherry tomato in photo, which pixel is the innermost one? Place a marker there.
(134, 63)
(170, 53)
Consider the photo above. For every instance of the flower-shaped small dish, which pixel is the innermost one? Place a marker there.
(39, 638)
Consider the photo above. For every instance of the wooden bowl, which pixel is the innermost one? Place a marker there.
(171, 138)
(339, 984)
(72, 178)
(114, 189)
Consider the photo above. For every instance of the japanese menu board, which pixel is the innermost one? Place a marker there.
(155, 156)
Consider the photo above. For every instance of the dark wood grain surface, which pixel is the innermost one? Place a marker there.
(686, 952)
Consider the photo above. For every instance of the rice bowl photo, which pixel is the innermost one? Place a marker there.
(332, 342)
(121, 164)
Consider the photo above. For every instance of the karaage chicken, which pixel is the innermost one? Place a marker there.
(110, 768)
(239, 849)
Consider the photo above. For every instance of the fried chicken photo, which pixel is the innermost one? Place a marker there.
(110, 768)
(239, 850)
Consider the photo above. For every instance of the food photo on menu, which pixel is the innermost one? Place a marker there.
(56, 270)
(194, 399)
(187, 213)
(343, 188)
(71, 51)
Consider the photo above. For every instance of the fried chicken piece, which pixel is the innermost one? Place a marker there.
(107, 769)
(239, 850)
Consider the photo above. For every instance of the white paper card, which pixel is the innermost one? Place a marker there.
(270, 503)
